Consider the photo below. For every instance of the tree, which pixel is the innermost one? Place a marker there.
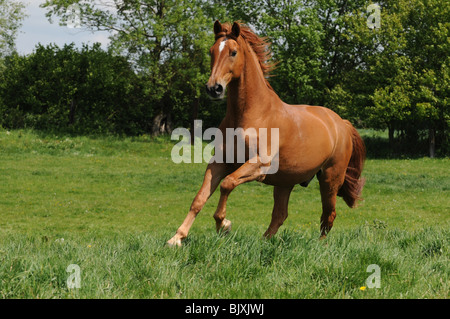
(167, 41)
(406, 77)
(394, 76)
(296, 35)
(428, 46)
(11, 16)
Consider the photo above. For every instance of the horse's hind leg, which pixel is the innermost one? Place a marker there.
(330, 180)
(280, 209)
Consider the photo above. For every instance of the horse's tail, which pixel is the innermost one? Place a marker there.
(350, 191)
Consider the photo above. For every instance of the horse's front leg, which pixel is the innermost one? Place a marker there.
(215, 172)
(248, 172)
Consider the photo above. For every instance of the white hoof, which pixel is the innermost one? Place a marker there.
(226, 227)
(174, 242)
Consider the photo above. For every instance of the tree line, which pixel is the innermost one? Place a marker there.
(390, 75)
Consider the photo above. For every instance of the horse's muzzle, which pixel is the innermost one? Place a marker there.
(216, 91)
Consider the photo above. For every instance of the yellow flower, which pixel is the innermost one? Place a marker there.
(362, 288)
(89, 246)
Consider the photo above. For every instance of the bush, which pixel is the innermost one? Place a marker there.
(71, 90)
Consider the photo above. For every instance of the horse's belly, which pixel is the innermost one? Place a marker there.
(300, 164)
(291, 177)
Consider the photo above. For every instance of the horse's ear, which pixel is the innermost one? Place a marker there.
(217, 27)
(236, 29)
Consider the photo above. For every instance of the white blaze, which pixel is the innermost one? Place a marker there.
(222, 45)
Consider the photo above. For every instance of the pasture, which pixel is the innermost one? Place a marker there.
(109, 205)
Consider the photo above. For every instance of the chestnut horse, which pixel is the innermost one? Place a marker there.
(313, 140)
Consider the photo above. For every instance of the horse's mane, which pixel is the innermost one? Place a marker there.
(260, 45)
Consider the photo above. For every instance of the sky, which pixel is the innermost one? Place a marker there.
(37, 29)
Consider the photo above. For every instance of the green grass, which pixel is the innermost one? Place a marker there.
(109, 205)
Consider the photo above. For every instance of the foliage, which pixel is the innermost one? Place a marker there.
(401, 79)
(70, 90)
(394, 77)
(166, 41)
(11, 16)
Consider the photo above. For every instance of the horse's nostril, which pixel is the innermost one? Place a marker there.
(215, 90)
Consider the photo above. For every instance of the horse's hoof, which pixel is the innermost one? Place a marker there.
(226, 227)
(174, 242)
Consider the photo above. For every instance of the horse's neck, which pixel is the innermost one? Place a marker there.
(249, 94)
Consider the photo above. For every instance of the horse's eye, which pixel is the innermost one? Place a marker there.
(233, 53)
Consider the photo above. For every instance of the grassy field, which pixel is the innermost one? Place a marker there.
(109, 205)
